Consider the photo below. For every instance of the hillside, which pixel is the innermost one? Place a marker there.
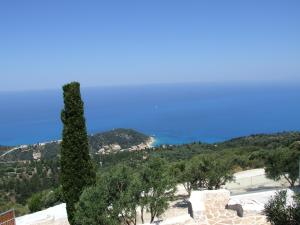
(118, 140)
(28, 169)
(270, 141)
(100, 143)
(4, 149)
(247, 152)
(19, 180)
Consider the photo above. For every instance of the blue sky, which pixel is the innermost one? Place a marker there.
(44, 44)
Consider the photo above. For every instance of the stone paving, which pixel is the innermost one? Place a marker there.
(212, 211)
(218, 216)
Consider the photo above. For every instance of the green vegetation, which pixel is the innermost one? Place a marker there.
(243, 153)
(196, 165)
(283, 163)
(125, 138)
(206, 171)
(158, 187)
(39, 176)
(281, 212)
(77, 171)
(119, 192)
(18, 180)
(45, 199)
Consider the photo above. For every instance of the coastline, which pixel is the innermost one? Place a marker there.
(151, 142)
(191, 128)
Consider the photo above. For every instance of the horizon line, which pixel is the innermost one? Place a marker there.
(233, 82)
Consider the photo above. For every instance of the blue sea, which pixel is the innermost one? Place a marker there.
(174, 114)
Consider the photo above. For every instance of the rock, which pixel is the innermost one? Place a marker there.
(236, 207)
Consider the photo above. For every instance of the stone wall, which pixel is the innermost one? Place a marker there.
(202, 200)
(208, 208)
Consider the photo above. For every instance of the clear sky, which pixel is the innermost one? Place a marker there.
(44, 44)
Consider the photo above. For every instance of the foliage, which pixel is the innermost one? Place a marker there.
(181, 173)
(158, 187)
(35, 202)
(125, 189)
(208, 171)
(126, 138)
(283, 163)
(122, 189)
(87, 212)
(281, 212)
(117, 194)
(217, 171)
(267, 141)
(20, 180)
(77, 170)
(7, 205)
(45, 199)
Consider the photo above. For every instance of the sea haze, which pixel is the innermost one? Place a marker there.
(172, 113)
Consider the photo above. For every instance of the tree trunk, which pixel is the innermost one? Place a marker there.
(291, 182)
(152, 215)
(152, 218)
(188, 187)
(142, 214)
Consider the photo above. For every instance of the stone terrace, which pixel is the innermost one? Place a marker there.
(209, 209)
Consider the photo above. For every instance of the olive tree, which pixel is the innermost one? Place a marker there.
(158, 188)
(205, 171)
(283, 163)
(114, 200)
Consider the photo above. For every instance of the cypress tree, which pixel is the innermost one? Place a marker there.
(77, 171)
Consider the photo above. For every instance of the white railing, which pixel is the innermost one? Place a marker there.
(254, 183)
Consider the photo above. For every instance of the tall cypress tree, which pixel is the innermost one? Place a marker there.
(77, 170)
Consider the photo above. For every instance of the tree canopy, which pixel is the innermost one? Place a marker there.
(283, 163)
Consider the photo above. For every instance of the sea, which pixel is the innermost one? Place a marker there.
(171, 113)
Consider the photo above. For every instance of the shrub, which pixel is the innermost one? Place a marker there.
(114, 200)
(35, 202)
(44, 199)
(93, 209)
(280, 211)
